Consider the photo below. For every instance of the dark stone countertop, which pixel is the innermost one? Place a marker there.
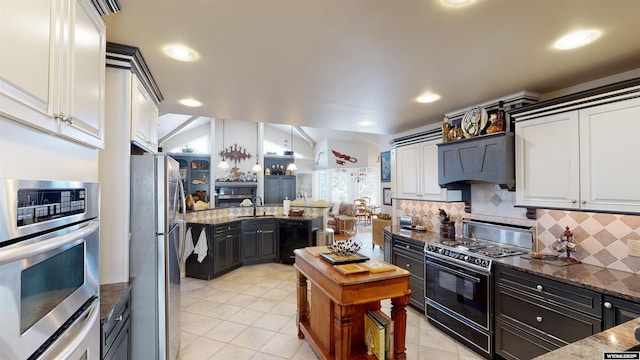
(229, 220)
(110, 296)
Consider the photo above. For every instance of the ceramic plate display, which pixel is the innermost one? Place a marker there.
(474, 121)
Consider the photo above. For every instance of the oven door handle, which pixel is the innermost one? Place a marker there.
(454, 272)
(40, 247)
(89, 319)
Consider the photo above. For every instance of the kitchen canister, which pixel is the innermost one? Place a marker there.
(286, 204)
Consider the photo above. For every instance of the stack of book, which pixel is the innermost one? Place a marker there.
(378, 334)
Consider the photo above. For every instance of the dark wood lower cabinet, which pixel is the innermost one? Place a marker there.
(535, 315)
(259, 241)
(115, 332)
(223, 250)
(409, 255)
(618, 311)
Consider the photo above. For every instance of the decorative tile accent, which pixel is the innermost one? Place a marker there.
(496, 200)
(601, 237)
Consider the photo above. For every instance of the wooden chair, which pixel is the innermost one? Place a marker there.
(362, 209)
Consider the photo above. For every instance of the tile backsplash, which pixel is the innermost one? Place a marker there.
(601, 237)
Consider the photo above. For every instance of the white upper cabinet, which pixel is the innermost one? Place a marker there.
(417, 172)
(547, 161)
(144, 118)
(52, 71)
(609, 150)
(581, 159)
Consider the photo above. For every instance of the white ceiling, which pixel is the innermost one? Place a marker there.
(332, 63)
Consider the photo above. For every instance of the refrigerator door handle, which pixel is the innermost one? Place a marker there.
(181, 223)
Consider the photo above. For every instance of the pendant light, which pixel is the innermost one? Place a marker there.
(223, 163)
(257, 167)
(292, 166)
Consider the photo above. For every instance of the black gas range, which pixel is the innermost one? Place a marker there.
(458, 281)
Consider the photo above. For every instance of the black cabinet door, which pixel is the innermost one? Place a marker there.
(618, 311)
(220, 253)
(268, 244)
(277, 188)
(249, 245)
(204, 269)
(233, 249)
(120, 348)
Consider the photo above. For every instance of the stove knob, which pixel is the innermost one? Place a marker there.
(477, 261)
(441, 251)
(485, 263)
(446, 252)
(466, 258)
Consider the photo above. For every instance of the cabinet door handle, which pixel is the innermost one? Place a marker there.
(574, 201)
(407, 246)
(539, 319)
(119, 318)
(408, 265)
(608, 305)
(584, 202)
(539, 287)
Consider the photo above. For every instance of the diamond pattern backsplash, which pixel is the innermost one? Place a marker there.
(601, 238)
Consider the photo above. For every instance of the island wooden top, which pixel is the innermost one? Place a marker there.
(359, 288)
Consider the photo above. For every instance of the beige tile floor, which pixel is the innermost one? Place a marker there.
(250, 312)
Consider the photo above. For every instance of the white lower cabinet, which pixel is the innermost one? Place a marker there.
(52, 76)
(581, 159)
(417, 172)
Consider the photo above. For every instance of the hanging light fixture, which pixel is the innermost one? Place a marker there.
(257, 167)
(292, 165)
(223, 163)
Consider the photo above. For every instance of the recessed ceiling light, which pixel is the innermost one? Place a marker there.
(456, 2)
(190, 102)
(427, 98)
(180, 52)
(365, 123)
(577, 39)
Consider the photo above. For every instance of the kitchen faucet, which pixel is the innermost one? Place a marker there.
(255, 204)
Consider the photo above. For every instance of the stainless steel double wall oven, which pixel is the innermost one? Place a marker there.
(49, 270)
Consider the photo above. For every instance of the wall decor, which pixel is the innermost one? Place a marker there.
(341, 159)
(235, 153)
(385, 166)
(386, 196)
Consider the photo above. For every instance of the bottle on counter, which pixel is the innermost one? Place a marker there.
(500, 120)
(446, 127)
(493, 127)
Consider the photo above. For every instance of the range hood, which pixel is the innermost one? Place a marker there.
(489, 158)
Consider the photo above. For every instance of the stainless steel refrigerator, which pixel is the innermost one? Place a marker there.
(154, 266)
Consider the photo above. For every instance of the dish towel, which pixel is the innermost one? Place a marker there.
(201, 246)
(188, 246)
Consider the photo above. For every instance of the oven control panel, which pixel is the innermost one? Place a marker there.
(459, 256)
(38, 205)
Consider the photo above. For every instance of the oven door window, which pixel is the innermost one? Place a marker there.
(463, 291)
(45, 284)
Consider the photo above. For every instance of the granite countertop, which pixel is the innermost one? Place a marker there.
(617, 339)
(607, 281)
(228, 220)
(110, 295)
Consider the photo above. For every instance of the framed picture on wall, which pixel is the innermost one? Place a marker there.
(386, 196)
(385, 166)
